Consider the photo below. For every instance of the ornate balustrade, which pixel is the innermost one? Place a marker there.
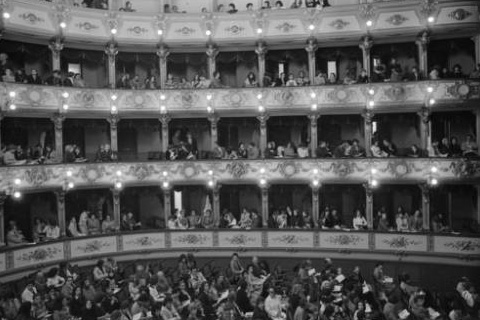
(428, 248)
(340, 23)
(355, 171)
(285, 100)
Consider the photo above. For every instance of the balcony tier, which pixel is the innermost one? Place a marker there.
(408, 247)
(341, 25)
(336, 99)
(285, 171)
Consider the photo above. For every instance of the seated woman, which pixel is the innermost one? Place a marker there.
(15, 236)
(93, 224)
(439, 224)
(250, 81)
(52, 230)
(245, 220)
(108, 225)
(38, 230)
(377, 152)
(208, 221)
(359, 221)
(73, 229)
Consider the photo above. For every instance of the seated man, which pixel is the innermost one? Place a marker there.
(273, 306)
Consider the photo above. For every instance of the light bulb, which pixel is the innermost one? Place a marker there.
(165, 173)
(431, 19)
(259, 31)
(6, 15)
(315, 171)
(314, 106)
(210, 172)
(69, 173)
(71, 185)
(374, 171)
(17, 194)
(160, 32)
(17, 181)
(209, 109)
(371, 92)
(118, 173)
(262, 170)
(65, 94)
(429, 89)
(165, 184)
(63, 25)
(434, 169)
(313, 95)
(263, 182)
(259, 96)
(163, 109)
(315, 182)
(434, 182)
(163, 97)
(374, 183)
(113, 31)
(65, 106)
(371, 103)
(261, 109)
(12, 107)
(114, 97)
(208, 33)
(432, 101)
(311, 27)
(369, 23)
(209, 97)
(114, 109)
(12, 94)
(210, 183)
(118, 185)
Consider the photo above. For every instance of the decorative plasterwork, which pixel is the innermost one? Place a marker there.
(396, 19)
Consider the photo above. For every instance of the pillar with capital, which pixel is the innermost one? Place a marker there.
(167, 204)
(213, 119)
(311, 49)
(263, 118)
(165, 119)
(58, 120)
(56, 47)
(111, 50)
(261, 51)
(3, 198)
(422, 46)
(368, 129)
(476, 40)
(216, 203)
(313, 134)
(366, 45)
(113, 120)
(425, 206)
(116, 206)
(60, 196)
(212, 53)
(264, 190)
(369, 205)
(424, 118)
(162, 52)
(315, 204)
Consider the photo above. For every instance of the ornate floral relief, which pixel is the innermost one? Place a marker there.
(92, 173)
(233, 98)
(138, 100)
(141, 171)
(36, 96)
(145, 241)
(137, 30)
(344, 239)
(87, 26)
(192, 239)
(396, 93)
(459, 91)
(465, 168)
(189, 170)
(459, 14)
(237, 169)
(287, 168)
(39, 254)
(285, 27)
(93, 246)
(284, 97)
(290, 239)
(187, 98)
(339, 24)
(398, 168)
(341, 168)
(400, 242)
(37, 176)
(396, 19)
(31, 18)
(463, 245)
(235, 30)
(339, 95)
(186, 31)
(239, 240)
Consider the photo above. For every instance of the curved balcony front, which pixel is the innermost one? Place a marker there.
(335, 99)
(140, 31)
(445, 249)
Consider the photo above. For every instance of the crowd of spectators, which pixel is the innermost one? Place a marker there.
(254, 291)
(17, 155)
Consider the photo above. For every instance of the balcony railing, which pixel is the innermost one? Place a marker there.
(393, 170)
(427, 248)
(285, 100)
(348, 23)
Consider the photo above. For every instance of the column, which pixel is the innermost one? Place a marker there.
(162, 53)
(425, 206)
(366, 45)
(313, 134)
(368, 130)
(167, 204)
(265, 206)
(477, 125)
(424, 118)
(476, 40)
(369, 205)
(165, 119)
(111, 50)
(113, 120)
(315, 205)
(213, 129)
(60, 196)
(58, 120)
(422, 45)
(216, 204)
(3, 197)
(263, 133)
(311, 49)
(116, 206)
(56, 47)
(478, 203)
(212, 53)
(261, 51)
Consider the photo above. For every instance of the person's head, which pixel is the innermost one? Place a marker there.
(249, 6)
(279, 4)
(266, 4)
(290, 76)
(271, 292)
(231, 7)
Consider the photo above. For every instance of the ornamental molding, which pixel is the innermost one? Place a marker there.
(396, 19)
(459, 15)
